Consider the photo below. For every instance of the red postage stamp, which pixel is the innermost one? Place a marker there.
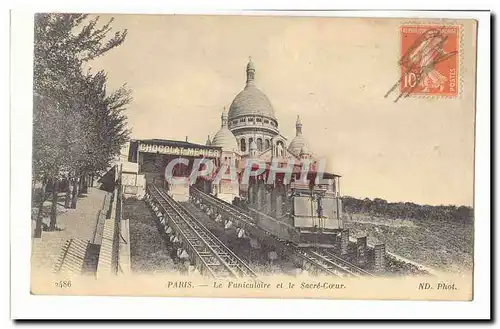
(430, 60)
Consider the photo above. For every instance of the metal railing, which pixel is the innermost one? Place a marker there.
(116, 217)
(209, 253)
(110, 242)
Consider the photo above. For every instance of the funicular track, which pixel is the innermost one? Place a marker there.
(323, 261)
(336, 263)
(208, 253)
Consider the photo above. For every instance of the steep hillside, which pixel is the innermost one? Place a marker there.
(441, 237)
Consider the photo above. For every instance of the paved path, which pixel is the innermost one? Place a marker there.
(72, 223)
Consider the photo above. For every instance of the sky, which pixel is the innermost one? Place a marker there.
(333, 72)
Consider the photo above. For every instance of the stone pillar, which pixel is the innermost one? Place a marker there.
(260, 195)
(250, 194)
(272, 207)
(255, 193)
(263, 196)
(379, 258)
(344, 242)
(279, 205)
(361, 250)
(268, 203)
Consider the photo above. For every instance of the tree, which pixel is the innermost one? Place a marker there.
(63, 43)
(408, 210)
(101, 130)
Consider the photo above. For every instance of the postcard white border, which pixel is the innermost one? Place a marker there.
(26, 306)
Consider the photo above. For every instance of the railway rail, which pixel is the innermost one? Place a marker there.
(321, 260)
(209, 254)
(334, 263)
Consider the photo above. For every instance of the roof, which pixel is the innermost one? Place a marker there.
(170, 142)
(225, 140)
(297, 169)
(297, 143)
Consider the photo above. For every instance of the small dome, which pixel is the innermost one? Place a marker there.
(225, 139)
(297, 144)
(304, 150)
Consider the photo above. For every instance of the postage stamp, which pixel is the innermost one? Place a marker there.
(430, 60)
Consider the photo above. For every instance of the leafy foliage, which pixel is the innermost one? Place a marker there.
(78, 126)
(407, 210)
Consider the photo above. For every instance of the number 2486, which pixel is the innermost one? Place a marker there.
(63, 284)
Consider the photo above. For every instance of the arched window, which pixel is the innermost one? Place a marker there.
(280, 148)
(243, 145)
(267, 144)
(259, 144)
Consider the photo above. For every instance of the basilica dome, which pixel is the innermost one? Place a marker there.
(251, 101)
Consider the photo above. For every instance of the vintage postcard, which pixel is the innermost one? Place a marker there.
(262, 156)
